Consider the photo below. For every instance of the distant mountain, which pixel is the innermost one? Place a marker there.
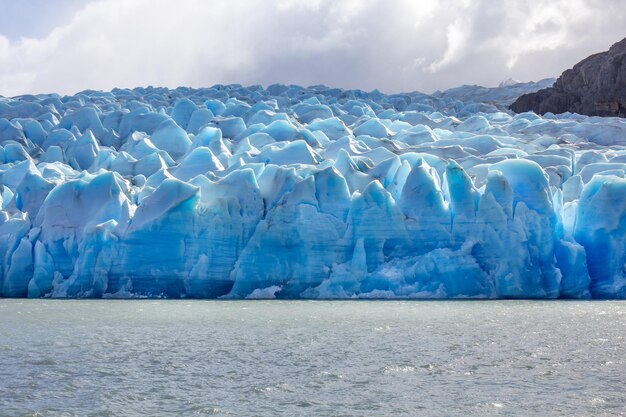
(508, 82)
(504, 94)
(596, 86)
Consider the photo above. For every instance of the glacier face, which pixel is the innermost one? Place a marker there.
(314, 192)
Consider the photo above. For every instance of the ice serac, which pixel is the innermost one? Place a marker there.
(77, 223)
(167, 219)
(293, 192)
(601, 230)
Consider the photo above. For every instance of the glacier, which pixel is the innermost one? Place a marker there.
(308, 192)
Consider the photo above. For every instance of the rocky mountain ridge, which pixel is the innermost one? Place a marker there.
(596, 86)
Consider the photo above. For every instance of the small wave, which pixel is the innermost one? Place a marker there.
(331, 375)
(43, 362)
(398, 369)
(597, 401)
(204, 411)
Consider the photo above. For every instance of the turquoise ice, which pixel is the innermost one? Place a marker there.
(293, 192)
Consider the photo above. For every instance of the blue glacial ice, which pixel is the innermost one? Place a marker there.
(315, 192)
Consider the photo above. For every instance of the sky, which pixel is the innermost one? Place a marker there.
(66, 46)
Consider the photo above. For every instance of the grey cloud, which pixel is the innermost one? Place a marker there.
(392, 45)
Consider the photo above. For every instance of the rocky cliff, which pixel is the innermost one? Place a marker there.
(596, 86)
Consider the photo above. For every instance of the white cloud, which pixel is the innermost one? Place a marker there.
(393, 45)
(457, 40)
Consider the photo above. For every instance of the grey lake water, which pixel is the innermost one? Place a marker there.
(310, 358)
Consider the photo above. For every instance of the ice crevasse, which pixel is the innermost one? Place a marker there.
(294, 192)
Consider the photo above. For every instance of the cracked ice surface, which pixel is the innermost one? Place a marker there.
(307, 192)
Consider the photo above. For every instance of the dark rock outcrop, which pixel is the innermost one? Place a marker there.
(596, 86)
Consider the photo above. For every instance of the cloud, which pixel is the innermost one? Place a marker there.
(456, 48)
(392, 45)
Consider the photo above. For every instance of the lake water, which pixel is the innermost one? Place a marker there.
(309, 358)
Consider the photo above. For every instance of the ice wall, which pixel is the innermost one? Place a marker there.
(315, 192)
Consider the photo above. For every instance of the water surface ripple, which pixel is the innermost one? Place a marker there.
(305, 358)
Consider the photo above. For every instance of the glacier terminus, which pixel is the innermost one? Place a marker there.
(308, 192)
